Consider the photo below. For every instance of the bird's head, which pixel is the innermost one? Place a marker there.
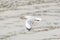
(38, 19)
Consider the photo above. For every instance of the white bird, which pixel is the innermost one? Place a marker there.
(29, 21)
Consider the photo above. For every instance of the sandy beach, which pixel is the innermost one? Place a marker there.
(13, 28)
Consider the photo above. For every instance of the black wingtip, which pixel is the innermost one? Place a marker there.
(28, 29)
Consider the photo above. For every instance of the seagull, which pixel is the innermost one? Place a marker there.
(29, 21)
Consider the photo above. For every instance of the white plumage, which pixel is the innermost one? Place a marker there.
(30, 20)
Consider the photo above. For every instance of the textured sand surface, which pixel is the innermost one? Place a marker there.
(13, 28)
